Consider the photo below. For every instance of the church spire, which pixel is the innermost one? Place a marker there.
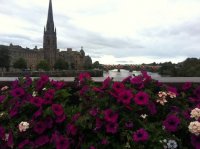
(50, 22)
(50, 39)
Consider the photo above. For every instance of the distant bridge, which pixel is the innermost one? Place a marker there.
(132, 67)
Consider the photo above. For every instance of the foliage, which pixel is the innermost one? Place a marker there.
(44, 65)
(167, 69)
(137, 113)
(20, 63)
(188, 68)
(60, 64)
(96, 64)
(4, 57)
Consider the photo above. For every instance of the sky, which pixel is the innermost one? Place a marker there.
(111, 31)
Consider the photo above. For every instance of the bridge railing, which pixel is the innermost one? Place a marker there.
(101, 79)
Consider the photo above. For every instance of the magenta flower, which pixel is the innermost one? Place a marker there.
(57, 109)
(84, 76)
(197, 92)
(186, 86)
(15, 84)
(152, 108)
(125, 97)
(71, 129)
(186, 114)
(23, 144)
(140, 135)
(195, 141)
(110, 116)
(40, 127)
(39, 85)
(104, 141)
(96, 89)
(99, 123)
(13, 112)
(2, 97)
(2, 133)
(138, 80)
(18, 92)
(127, 79)
(141, 98)
(48, 122)
(37, 101)
(172, 89)
(62, 143)
(44, 79)
(112, 128)
(76, 117)
(93, 111)
(41, 140)
(49, 95)
(60, 119)
(106, 83)
(84, 90)
(10, 142)
(58, 84)
(27, 82)
(37, 113)
(146, 76)
(129, 125)
(171, 123)
(92, 147)
(118, 86)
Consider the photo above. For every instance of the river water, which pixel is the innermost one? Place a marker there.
(125, 73)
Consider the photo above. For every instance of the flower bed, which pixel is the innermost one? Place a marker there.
(137, 113)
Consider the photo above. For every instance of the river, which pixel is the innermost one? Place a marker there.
(125, 73)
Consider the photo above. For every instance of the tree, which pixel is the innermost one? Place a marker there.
(60, 64)
(43, 65)
(4, 57)
(20, 63)
(96, 64)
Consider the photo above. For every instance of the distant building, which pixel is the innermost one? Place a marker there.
(49, 52)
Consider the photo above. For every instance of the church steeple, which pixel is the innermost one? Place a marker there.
(50, 22)
(50, 39)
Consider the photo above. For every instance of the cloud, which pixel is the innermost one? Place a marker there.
(111, 31)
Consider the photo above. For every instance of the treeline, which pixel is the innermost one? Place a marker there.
(188, 68)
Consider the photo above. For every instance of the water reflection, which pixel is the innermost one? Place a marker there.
(125, 73)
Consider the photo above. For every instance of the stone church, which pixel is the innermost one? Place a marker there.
(76, 60)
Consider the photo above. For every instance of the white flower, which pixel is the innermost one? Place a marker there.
(1, 114)
(127, 145)
(34, 93)
(23, 126)
(162, 94)
(44, 89)
(165, 141)
(162, 101)
(6, 136)
(162, 98)
(195, 113)
(172, 144)
(194, 127)
(4, 88)
(143, 116)
(171, 94)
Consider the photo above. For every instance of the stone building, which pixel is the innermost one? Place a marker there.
(76, 60)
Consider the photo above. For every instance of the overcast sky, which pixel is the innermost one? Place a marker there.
(111, 31)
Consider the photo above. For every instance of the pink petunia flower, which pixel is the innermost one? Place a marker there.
(141, 98)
